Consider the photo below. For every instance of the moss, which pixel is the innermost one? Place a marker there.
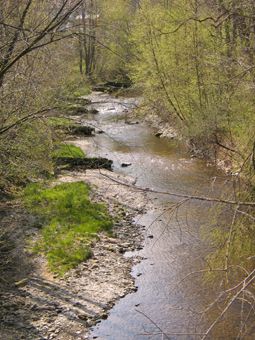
(70, 222)
(68, 151)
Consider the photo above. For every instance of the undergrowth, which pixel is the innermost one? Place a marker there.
(75, 86)
(71, 221)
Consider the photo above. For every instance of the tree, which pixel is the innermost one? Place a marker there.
(29, 78)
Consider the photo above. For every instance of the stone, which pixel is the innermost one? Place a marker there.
(125, 165)
(83, 316)
(104, 316)
(93, 111)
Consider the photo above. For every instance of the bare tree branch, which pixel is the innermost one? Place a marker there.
(192, 197)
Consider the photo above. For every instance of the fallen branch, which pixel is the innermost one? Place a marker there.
(192, 197)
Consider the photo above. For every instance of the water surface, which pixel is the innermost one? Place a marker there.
(173, 247)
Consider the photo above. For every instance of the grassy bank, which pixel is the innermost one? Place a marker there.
(58, 122)
(70, 222)
(67, 151)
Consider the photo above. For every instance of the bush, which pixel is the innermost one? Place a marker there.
(25, 155)
(75, 85)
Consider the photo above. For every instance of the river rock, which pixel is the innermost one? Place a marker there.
(93, 111)
(84, 163)
(81, 130)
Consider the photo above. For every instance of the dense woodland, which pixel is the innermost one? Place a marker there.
(192, 61)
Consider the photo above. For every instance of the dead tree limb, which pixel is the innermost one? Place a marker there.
(174, 194)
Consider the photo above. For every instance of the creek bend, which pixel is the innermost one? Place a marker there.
(173, 247)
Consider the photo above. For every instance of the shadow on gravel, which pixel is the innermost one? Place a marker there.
(65, 295)
(15, 266)
(30, 304)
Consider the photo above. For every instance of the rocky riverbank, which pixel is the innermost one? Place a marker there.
(39, 305)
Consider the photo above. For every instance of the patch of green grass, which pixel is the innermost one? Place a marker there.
(59, 122)
(82, 91)
(70, 222)
(68, 151)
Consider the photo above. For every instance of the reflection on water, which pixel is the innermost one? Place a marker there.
(174, 247)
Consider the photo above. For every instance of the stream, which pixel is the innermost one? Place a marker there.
(169, 298)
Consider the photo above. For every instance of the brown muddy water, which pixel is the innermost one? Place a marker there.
(169, 299)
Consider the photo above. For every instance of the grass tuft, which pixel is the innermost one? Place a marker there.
(70, 222)
(57, 122)
(68, 151)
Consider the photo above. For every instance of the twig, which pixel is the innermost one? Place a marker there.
(245, 283)
(154, 323)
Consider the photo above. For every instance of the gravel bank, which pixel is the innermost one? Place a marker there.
(41, 306)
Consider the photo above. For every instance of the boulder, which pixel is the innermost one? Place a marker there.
(81, 130)
(93, 111)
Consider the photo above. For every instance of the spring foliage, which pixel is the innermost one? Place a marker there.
(197, 73)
